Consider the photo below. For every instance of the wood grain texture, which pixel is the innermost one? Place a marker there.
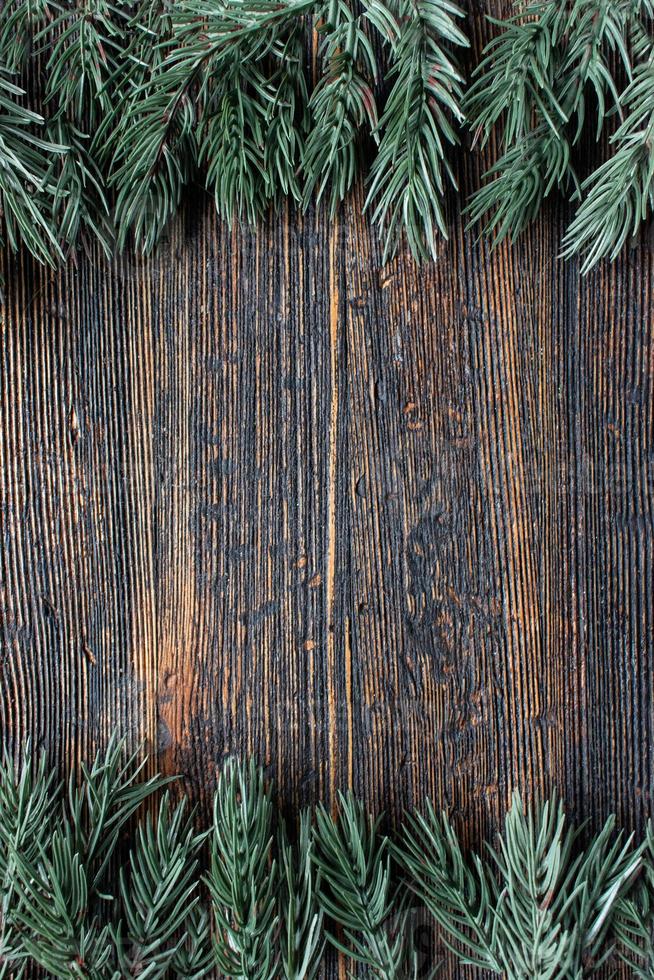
(388, 528)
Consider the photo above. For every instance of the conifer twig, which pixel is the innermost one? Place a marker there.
(302, 938)
(243, 878)
(634, 922)
(542, 907)
(619, 195)
(342, 106)
(358, 893)
(407, 178)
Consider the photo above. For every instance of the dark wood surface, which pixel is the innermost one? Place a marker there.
(388, 528)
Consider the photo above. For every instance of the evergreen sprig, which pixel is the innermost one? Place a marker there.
(81, 899)
(160, 929)
(634, 924)
(302, 936)
(243, 877)
(536, 78)
(287, 117)
(56, 928)
(358, 893)
(620, 193)
(27, 192)
(540, 907)
(27, 798)
(147, 141)
(342, 105)
(407, 178)
(54, 902)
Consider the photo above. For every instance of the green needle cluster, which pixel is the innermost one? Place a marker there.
(547, 71)
(134, 100)
(143, 98)
(538, 905)
(106, 878)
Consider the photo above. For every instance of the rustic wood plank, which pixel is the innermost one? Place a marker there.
(388, 528)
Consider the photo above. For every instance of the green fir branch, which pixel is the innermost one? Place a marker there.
(232, 141)
(518, 183)
(20, 22)
(287, 117)
(542, 907)
(458, 893)
(243, 878)
(634, 922)
(159, 896)
(407, 179)
(358, 893)
(342, 106)
(79, 201)
(147, 140)
(104, 800)
(534, 80)
(56, 928)
(301, 917)
(619, 194)
(193, 957)
(85, 42)
(28, 798)
(26, 187)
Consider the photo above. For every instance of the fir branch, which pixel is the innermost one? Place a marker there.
(605, 871)
(232, 141)
(58, 914)
(516, 82)
(357, 892)
(407, 179)
(533, 860)
(25, 183)
(243, 877)
(159, 896)
(301, 917)
(100, 805)
(149, 137)
(517, 74)
(193, 957)
(56, 927)
(28, 798)
(20, 21)
(596, 31)
(79, 202)
(252, 25)
(85, 40)
(458, 893)
(221, 49)
(82, 44)
(202, 97)
(534, 78)
(518, 183)
(541, 908)
(634, 923)
(286, 117)
(342, 106)
(620, 193)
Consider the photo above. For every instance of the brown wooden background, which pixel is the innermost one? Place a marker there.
(383, 527)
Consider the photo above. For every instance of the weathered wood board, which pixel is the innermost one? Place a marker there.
(383, 527)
